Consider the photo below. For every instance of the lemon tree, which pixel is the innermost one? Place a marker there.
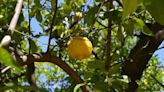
(116, 44)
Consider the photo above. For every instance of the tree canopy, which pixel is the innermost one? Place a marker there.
(124, 36)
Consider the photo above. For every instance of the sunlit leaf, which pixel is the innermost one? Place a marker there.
(114, 69)
(6, 59)
(129, 6)
(77, 87)
(140, 25)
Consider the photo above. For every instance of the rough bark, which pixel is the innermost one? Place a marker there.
(141, 54)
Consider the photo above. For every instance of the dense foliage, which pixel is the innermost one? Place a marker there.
(45, 26)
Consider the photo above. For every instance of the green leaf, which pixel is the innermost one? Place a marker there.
(120, 33)
(33, 11)
(24, 44)
(6, 58)
(17, 37)
(155, 8)
(129, 6)
(140, 25)
(78, 86)
(114, 69)
(95, 64)
(67, 8)
(38, 16)
(37, 2)
(91, 15)
(117, 84)
(60, 29)
(100, 85)
(129, 26)
(33, 46)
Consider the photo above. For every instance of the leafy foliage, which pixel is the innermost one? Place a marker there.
(128, 23)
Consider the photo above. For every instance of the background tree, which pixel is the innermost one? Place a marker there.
(124, 35)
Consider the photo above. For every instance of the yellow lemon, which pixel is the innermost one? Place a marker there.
(78, 16)
(79, 47)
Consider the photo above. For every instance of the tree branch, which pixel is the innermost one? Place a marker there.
(108, 44)
(47, 57)
(31, 74)
(30, 68)
(15, 18)
(140, 55)
(73, 24)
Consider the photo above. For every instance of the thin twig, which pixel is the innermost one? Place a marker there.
(97, 14)
(29, 26)
(51, 27)
(161, 48)
(5, 69)
(96, 56)
(101, 24)
(33, 38)
(157, 81)
(73, 24)
(119, 2)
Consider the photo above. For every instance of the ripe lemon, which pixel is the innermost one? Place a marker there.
(79, 47)
(78, 16)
